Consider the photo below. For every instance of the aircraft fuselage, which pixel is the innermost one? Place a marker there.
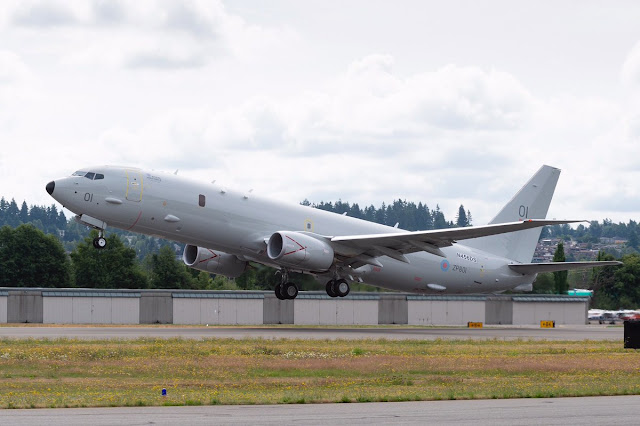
(213, 217)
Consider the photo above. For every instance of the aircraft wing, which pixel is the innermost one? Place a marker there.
(395, 245)
(534, 268)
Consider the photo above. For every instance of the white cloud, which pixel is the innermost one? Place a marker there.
(367, 110)
(12, 69)
(285, 99)
(631, 67)
(367, 122)
(150, 34)
(44, 14)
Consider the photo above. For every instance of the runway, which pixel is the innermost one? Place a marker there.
(569, 332)
(558, 411)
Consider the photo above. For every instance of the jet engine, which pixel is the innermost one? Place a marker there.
(297, 250)
(215, 262)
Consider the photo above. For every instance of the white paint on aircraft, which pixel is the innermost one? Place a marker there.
(224, 230)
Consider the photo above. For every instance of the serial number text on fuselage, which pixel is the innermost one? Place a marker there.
(467, 257)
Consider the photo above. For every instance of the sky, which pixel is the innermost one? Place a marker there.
(448, 103)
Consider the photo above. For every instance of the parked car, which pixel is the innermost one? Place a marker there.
(608, 317)
(634, 316)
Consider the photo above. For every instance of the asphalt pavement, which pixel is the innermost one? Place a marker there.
(616, 410)
(568, 332)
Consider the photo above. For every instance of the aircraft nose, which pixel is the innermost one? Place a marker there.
(50, 187)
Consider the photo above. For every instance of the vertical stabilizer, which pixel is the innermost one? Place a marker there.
(531, 202)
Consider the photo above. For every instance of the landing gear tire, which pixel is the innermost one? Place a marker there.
(330, 289)
(286, 290)
(341, 287)
(99, 242)
(278, 291)
(289, 290)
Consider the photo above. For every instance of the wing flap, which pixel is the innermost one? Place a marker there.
(431, 241)
(535, 268)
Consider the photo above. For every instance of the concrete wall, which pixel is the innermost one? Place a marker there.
(499, 310)
(3, 309)
(24, 306)
(445, 312)
(562, 313)
(91, 310)
(393, 309)
(334, 311)
(277, 311)
(94, 306)
(217, 311)
(156, 308)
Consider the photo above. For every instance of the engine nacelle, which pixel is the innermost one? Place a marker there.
(297, 250)
(215, 262)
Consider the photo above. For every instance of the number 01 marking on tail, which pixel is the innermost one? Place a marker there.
(523, 212)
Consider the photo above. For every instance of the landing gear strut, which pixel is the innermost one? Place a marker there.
(286, 290)
(338, 288)
(100, 241)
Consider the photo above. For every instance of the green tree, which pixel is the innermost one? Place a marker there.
(633, 239)
(544, 284)
(168, 272)
(29, 258)
(12, 214)
(624, 292)
(461, 217)
(112, 267)
(439, 222)
(560, 277)
(24, 213)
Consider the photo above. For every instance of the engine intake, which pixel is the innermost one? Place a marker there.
(297, 250)
(215, 262)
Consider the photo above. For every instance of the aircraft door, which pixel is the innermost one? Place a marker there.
(134, 185)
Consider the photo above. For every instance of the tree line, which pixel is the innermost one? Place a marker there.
(31, 258)
(593, 232)
(407, 215)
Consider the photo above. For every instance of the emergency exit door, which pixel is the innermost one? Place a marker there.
(134, 185)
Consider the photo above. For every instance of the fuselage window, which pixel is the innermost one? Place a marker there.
(98, 176)
(89, 175)
(79, 173)
(201, 200)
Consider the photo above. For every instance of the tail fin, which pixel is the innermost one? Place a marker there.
(531, 202)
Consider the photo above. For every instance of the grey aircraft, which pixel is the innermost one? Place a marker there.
(225, 230)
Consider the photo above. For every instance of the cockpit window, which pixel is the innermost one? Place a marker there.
(89, 175)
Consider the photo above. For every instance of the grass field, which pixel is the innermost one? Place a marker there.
(74, 373)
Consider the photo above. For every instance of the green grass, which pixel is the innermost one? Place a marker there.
(77, 373)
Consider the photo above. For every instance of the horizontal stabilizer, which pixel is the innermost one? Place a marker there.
(535, 268)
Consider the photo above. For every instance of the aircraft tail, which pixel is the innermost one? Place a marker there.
(531, 202)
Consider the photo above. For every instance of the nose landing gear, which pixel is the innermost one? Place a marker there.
(100, 241)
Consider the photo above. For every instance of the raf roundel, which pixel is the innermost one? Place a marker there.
(444, 265)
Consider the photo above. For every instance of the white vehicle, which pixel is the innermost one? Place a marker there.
(224, 230)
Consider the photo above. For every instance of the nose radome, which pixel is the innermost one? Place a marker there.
(50, 187)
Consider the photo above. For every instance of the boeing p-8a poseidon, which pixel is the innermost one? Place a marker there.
(225, 230)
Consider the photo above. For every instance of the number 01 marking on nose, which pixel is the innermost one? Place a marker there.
(88, 197)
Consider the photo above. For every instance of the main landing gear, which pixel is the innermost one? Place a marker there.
(286, 290)
(100, 241)
(338, 288)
